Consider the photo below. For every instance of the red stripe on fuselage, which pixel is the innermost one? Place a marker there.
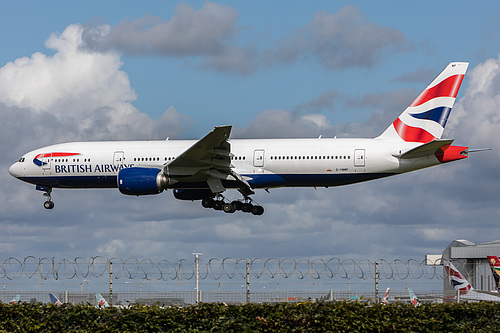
(56, 155)
(446, 88)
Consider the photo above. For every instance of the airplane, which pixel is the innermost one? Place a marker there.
(204, 169)
(413, 298)
(54, 300)
(467, 292)
(101, 302)
(495, 270)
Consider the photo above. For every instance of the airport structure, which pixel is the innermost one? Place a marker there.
(471, 260)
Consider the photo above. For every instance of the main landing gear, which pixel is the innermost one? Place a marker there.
(245, 206)
(49, 204)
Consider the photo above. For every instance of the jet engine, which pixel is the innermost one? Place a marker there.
(141, 181)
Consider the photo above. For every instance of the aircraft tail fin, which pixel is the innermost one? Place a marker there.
(16, 299)
(413, 298)
(457, 280)
(424, 120)
(101, 302)
(54, 299)
(495, 269)
(386, 296)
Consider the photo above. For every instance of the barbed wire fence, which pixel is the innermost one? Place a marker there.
(216, 269)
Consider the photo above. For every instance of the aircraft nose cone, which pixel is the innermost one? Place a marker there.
(14, 170)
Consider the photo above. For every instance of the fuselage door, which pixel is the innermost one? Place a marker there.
(359, 157)
(118, 158)
(46, 161)
(258, 158)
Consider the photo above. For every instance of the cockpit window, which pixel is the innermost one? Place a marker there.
(21, 160)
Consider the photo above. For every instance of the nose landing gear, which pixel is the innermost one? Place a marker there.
(48, 204)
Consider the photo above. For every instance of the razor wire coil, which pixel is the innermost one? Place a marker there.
(216, 268)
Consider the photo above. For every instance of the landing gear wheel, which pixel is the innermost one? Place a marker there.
(218, 205)
(257, 210)
(247, 207)
(237, 204)
(228, 208)
(48, 204)
(207, 202)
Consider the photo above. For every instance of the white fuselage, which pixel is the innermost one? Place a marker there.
(264, 163)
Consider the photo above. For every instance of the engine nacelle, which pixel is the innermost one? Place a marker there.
(192, 194)
(141, 181)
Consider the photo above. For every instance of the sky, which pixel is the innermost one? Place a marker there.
(124, 70)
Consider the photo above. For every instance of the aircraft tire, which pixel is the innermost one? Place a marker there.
(247, 208)
(237, 204)
(48, 205)
(257, 210)
(228, 208)
(207, 202)
(218, 205)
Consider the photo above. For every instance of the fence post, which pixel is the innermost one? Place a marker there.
(376, 281)
(110, 283)
(196, 261)
(248, 281)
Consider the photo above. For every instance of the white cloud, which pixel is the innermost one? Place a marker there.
(341, 40)
(86, 93)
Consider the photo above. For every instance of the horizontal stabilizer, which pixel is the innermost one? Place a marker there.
(426, 149)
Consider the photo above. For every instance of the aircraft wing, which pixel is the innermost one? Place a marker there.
(488, 292)
(208, 160)
(426, 149)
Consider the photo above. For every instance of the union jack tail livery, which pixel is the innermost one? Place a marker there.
(457, 280)
(495, 269)
(424, 120)
(386, 296)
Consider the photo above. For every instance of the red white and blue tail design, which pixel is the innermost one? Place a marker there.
(457, 280)
(495, 270)
(424, 120)
(385, 300)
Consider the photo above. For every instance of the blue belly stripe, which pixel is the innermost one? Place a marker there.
(257, 181)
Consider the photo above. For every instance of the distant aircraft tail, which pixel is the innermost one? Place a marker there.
(16, 299)
(495, 269)
(386, 296)
(457, 280)
(413, 298)
(101, 302)
(54, 300)
(424, 120)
